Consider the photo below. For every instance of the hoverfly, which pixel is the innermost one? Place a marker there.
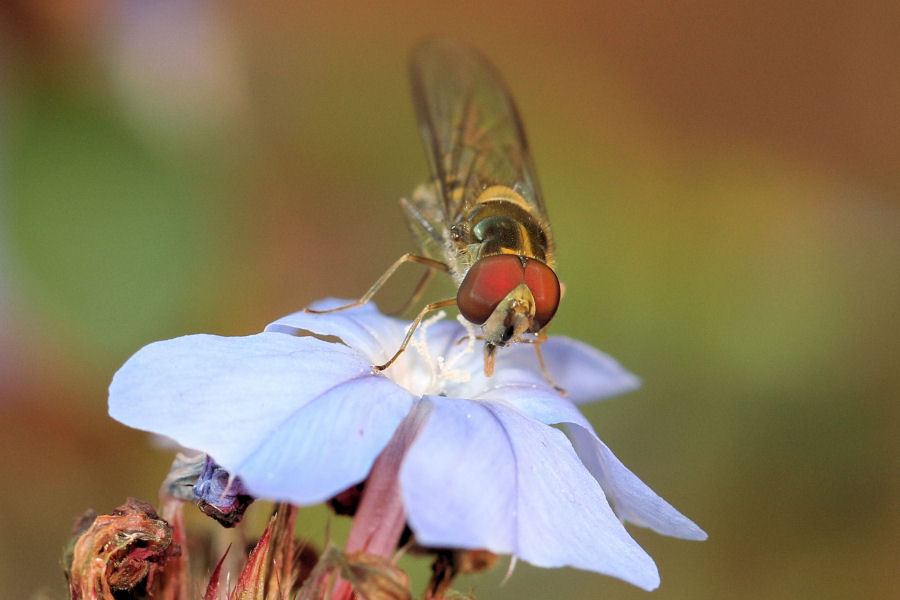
(481, 218)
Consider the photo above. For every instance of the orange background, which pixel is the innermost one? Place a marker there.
(723, 183)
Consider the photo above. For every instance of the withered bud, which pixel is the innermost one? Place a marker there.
(474, 561)
(375, 578)
(449, 563)
(276, 567)
(360, 575)
(221, 496)
(121, 551)
(183, 475)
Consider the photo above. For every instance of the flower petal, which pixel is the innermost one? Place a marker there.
(631, 498)
(538, 401)
(363, 328)
(485, 476)
(296, 418)
(583, 371)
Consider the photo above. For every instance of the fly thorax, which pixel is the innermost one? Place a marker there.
(498, 234)
(504, 227)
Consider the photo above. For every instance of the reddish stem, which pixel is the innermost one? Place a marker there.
(381, 518)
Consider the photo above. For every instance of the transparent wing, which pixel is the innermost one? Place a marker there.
(472, 131)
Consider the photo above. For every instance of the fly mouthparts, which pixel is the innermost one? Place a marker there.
(490, 350)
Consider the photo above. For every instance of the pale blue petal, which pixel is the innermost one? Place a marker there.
(538, 401)
(518, 381)
(363, 328)
(296, 418)
(632, 499)
(485, 476)
(585, 373)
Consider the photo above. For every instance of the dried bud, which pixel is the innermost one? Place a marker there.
(276, 567)
(375, 578)
(474, 561)
(292, 560)
(212, 587)
(450, 563)
(251, 583)
(359, 575)
(182, 477)
(221, 496)
(121, 551)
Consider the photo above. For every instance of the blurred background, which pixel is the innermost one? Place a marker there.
(724, 183)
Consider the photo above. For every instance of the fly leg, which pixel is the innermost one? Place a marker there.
(541, 338)
(412, 329)
(428, 262)
(423, 232)
(417, 292)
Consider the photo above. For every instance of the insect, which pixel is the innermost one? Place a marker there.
(481, 218)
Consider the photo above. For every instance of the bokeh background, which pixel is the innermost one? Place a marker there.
(724, 182)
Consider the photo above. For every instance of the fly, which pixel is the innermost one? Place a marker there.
(481, 218)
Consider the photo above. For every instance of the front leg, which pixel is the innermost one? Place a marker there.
(428, 262)
(412, 329)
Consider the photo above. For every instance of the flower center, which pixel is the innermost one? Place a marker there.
(427, 373)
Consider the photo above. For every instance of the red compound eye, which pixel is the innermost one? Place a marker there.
(544, 287)
(487, 283)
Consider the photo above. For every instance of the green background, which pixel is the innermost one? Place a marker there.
(723, 184)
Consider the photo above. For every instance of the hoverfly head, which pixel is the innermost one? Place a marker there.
(508, 295)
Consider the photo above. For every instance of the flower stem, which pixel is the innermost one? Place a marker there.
(381, 518)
